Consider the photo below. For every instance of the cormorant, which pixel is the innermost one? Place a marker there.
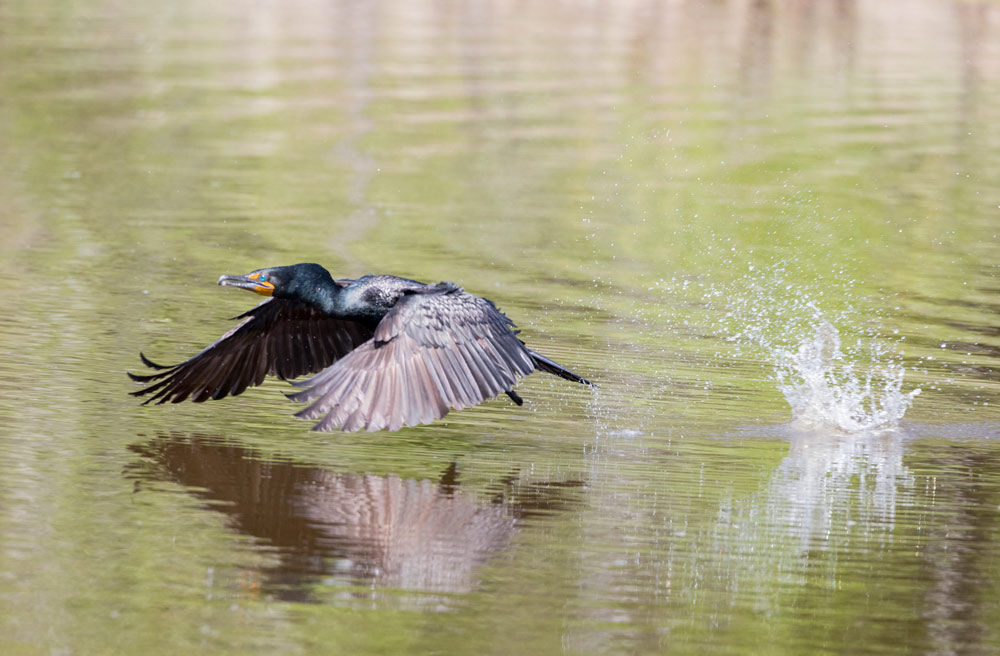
(388, 351)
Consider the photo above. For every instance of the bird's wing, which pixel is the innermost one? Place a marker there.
(436, 349)
(279, 337)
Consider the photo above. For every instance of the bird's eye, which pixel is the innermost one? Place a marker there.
(262, 277)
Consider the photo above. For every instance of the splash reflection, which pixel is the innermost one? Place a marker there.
(350, 529)
(828, 483)
(831, 496)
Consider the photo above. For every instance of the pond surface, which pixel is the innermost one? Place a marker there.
(760, 227)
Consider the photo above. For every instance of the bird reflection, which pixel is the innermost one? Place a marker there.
(385, 531)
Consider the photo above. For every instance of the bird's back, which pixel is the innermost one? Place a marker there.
(370, 297)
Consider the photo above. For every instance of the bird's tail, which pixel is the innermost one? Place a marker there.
(542, 363)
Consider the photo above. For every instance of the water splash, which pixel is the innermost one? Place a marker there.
(853, 387)
(824, 387)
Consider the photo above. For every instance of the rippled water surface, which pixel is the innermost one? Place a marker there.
(769, 231)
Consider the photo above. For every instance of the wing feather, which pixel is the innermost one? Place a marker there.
(424, 405)
(437, 349)
(445, 396)
(279, 337)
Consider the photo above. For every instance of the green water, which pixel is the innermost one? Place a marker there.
(665, 196)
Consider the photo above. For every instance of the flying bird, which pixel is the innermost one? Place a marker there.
(387, 352)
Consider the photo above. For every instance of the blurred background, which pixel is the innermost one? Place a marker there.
(768, 229)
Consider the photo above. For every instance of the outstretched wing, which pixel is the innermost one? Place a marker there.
(436, 349)
(279, 337)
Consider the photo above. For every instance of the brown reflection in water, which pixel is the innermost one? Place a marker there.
(757, 51)
(359, 67)
(972, 20)
(956, 554)
(385, 531)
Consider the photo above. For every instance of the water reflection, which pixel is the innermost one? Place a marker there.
(957, 520)
(838, 502)
(351, 529)
(827, 491)
(830, 482)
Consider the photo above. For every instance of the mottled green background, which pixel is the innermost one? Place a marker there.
(659, 193)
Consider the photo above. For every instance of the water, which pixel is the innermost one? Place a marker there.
(761, 228)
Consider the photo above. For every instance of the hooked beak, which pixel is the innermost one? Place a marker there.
(248, 282)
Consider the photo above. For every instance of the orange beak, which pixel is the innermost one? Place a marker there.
(252, 282)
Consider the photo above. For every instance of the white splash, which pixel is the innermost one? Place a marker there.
(823, 387)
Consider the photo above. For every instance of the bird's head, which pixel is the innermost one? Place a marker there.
(295, 281)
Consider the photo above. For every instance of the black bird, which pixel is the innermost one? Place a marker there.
(389, 351)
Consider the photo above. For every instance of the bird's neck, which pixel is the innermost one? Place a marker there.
(331, 299)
